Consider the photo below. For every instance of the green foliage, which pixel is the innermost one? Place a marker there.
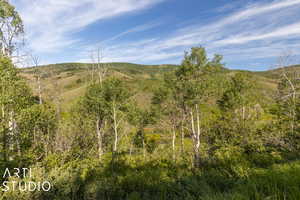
(14, 92)
(238, 138)
(26, 128)
(15, 96)
(36, 126)
(139, 138)
(88, 179)
(152, 142)
(238, 93)
(11, 27)
(246, 147)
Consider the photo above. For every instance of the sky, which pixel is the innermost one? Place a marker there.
(250, 34)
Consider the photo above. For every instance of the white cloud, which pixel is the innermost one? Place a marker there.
(243, 22)
(253, 31)
(282, 32)
(50, 23)
(256, 30)
(258, 9)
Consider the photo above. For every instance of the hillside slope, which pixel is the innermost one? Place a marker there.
(68, 81)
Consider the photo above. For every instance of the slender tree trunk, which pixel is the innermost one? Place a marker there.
(12, 136)
(130, 150)
(35, 60)
(47, 141)
(34, 136)
(3, 50)
(293, 113)
(5, 146)
(182, 140)
(18, 147)
(40, 90)
(100, 77)
(193, 134)
(99, 137)
(12, 133)
(173, 143)
(115, 148)
(196, 137)
(5, 141)
(144, 149)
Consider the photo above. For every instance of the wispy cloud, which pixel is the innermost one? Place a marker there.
(258, 9)
(282, 32)
(140, 28)
(260, 29)
(51, 23)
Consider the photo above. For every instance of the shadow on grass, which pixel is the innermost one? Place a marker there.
(137, 180)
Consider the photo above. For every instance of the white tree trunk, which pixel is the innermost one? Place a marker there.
(144, 149)
(196, 136)
(5, 140)
(40, 90)
(198, 127)
(182, 140)
(115, 148)
(99, 137)
(173, 143)
(11, 133)
(293, 112)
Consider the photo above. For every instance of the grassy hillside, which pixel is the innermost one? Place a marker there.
(275, 73)
(69, 80)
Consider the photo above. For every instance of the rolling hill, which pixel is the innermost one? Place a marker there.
(69, 80)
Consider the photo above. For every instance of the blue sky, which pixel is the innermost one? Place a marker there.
(250, 34)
